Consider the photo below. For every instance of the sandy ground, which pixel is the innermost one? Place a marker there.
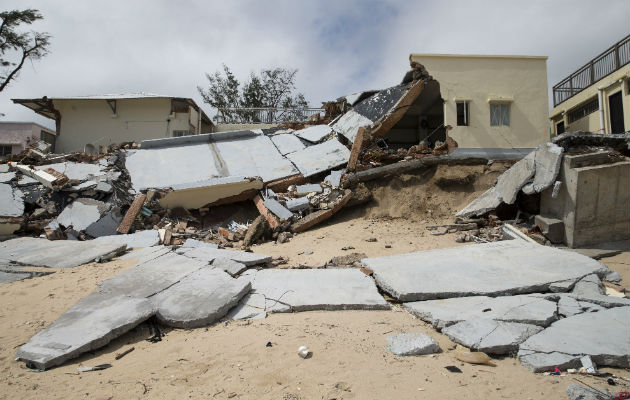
(231, 360)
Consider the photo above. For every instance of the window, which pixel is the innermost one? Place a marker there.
(48, 138)
(462, 113)
(499, 114)
(583, 110)
(180, 133)
(560, 128)
(5, 150)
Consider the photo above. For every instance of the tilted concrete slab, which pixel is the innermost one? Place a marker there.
(82, 213)
(303, 190)
(283, 290)
(488, 201)
(334, 178)
(146, 238)
(511, 181)
(298, 204)
(320, 157)
(230, 266)
(199, 299)
(199, 243)
(11, 201)
(603, 335)
(521, 308)
(58, 253)
(315, 133)
(489, 336)
(287, 143)
(412, 344)
(348, 125)
(496, 269)
(89, 324)
(208, 254)
(277, 209)
(548, 160)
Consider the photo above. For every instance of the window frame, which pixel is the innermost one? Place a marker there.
(3, 147)
(502, 105)
(466, 112)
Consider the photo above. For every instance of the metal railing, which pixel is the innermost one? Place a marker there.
(263, 115)
(608, 62)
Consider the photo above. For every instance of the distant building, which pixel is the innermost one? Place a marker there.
(595, 97)
(16, 136)
(89, 122)
(492, 101)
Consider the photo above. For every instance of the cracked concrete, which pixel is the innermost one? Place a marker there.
(489, 336)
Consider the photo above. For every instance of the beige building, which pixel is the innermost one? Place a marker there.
(492, 101)
(595, 98)
(91, 122)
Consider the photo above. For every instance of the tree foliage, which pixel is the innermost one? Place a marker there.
(16, 47)
(270, 88)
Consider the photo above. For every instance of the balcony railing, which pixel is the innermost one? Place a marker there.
(258, 115)
(608, 62)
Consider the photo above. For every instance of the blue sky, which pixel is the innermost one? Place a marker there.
(338, 46)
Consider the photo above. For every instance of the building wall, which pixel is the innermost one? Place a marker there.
(20, 134)
(92, 122)
(610, 84)
(518, 80)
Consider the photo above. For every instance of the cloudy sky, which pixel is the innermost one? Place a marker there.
(338, 46)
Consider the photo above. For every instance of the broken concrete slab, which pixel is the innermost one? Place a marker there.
(548, 160)
(489, 336)
(199, 299)
(412, 344)
(4, 168)
(579, 392)
(568, 306)
(82, 213)
(91, 323)
(315, 133)
(230, 266)
(76, 171)
(511, 181)
(105, 226)
(199, 243)
(298, 204)
(57, 254)
(603, 335)
(146, 238)
(208, 254)
(287, 143)
(11, 201)
(334, 178)
(284, 290)
(488, 201)
(349, 124)
(525, 309)
(320, 157)
(8, 277)
(27, 181)
(303, 190)
(277, 209)
(7, 177)
(496, 269)
(144, 254)
(590, 289)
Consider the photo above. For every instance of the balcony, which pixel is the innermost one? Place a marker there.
(263, 115)
(606, 63)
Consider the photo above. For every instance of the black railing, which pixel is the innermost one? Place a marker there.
(257, 115)
(608, 62)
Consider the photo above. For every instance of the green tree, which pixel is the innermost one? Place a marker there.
(271, 88)
(17, 47)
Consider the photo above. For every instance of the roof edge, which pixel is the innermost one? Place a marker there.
(436, 55)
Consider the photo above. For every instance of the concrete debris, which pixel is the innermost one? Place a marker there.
(548, 160)
(490, 336)
(525, 309)
(511, 181)
(334, 178)
(412, 344)
(314, 134)
(476, 270)
(207, 254)
(303, 190)
(199, 243)
(278, 209)
(11, 201)
(7, 177)
(282, 290)
(350, 123)
(590, 289)
(298, 204)
(603, 335)
(146, 238)
(320, 157)
(232, 267)
(579, 392)
(488, 201)
(287, 143)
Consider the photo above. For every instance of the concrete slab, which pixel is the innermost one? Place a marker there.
(334, 178)
(497, 269)
(303, 190)
(348, 125)
(27, 181)
(57, 254)
(82, 213)
(511, 181)
(11, 201)
(315, 133)
(199, 299)
(579, 392)
(106, 225)
(489, 336)
(146, 238)
(4, 168)
(602, 335)
(568, 306)
(277, 209)
(144, 254)
(488, 201)
(548, 160)
(298, 204)
(283, 290)
(412, 344)
(230, 266)
(8, 277)
(320, 157)
(76, 171)
(287, 143)
(208, 254)
(7, 177)
(199, 243)
(522, 308)
(89, 324)
(590, 289)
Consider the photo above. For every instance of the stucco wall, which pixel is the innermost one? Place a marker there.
(92, 121)
(19, 135)
(610, 84)
(521, 81)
